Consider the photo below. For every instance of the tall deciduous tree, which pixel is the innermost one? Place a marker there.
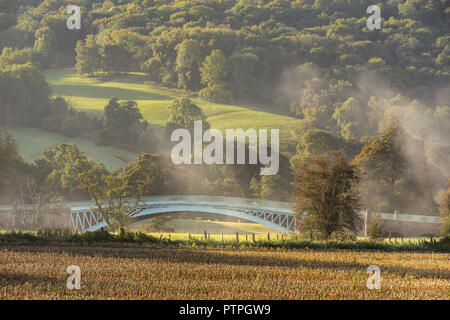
(88, 56)
(395, 173)
(189, 55)
(9, 160)
(125, 120)
(111, 195)
(326, 195)
(116, 59)
(182, 114)
(214, 72)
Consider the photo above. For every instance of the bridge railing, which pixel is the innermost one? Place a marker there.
(217, 200)
(405, 217)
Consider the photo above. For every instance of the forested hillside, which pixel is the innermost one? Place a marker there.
(349, 88)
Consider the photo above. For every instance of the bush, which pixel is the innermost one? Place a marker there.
(444, 244)
(216, 93)
(345, 236)
(94, 236)
(374, 231)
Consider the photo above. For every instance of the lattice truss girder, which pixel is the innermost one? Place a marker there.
(83, 220)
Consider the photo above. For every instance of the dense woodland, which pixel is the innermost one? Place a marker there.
(379, 96)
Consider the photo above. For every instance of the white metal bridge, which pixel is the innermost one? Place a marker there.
(274, 214)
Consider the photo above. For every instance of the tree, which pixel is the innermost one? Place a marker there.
(37, 193)
(116, 59)
(182, 114)
(88, 56)
(10, 162)
(189, 55)
(326, 195)
(153, 69)
(394, 169)
(111, 195)
(314, 142)
(61, 167)
(24, 95)
(245, 69)
(443, 200)
(151, 173)
(46, 42)
(125, 121)
(214, 72)
(374, 230)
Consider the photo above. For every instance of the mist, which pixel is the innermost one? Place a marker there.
(381, 107)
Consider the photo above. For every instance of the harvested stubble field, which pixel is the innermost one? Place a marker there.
(37, 272)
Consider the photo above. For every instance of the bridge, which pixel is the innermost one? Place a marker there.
(274, 214)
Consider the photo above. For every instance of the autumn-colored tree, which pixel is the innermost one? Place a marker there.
(111, 195)
(88, 56)
(395, 173)
(326, 195)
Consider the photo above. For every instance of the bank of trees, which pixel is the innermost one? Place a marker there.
(26, 100)
(259, 41)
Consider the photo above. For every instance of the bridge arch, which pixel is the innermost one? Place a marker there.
(148, 212)
(274, 214)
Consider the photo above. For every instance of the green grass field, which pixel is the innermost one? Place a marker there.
(32, 141)
(93, 94)
(197, 228)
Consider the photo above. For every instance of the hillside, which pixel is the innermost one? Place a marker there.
(93, 94)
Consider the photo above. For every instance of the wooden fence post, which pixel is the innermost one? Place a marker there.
(253, 236)
(206, 235)
(237, 236)
(268, 236)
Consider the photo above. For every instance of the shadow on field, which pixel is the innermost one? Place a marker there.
(204, 256)
(100, 92)
(19, 279)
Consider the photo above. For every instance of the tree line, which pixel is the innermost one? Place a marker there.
(327, 191)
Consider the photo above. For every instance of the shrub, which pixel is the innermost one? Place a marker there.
(216, 93)
(444, 243)
(374, 231)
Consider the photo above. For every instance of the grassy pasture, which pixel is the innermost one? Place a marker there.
(184, 226)
(92, 95)
(32, 141)
(37, 272)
